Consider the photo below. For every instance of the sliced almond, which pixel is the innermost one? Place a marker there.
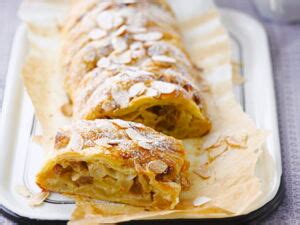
(136, 136)
(150, 36)
(201, 200)
(137, 89)
(105, 20)
(123, 58)
(164, 87)
(163, 59)
(61, 140)
(23, 191)
(145, 145)
(102, 143)
(119, 44)
(151, 92)
(121, 30)
(203, 171)
(97, 34)
(90, 56)
(121, 97)
(121, 123)
(136, 30)
(103, 6)
(76, 142)
(108, 106)
(217, 151)
(118, 21)
(38, 199)
(157, 166)
(114, 142)
(104, 62)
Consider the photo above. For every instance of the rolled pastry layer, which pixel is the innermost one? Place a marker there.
(117, 161)
(124, 59)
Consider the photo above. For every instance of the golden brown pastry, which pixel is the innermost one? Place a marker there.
(117, 161)
(124, 59)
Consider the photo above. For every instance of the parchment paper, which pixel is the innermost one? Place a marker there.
(228, 154)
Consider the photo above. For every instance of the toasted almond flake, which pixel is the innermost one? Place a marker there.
(137, 89)
(123, 58)
(102, 143)
(201, 201)
(118, 21)
(151, 92)
(76, 142)
(105, 20)
(114, 142)
(90, 56)
(163, 87)
(217, 151)
(135, 54)
(97, 34)
(203, 171)
(38, 199)
(136, 45)
(104, 62)
(119, 44)
(108, 106)
(121, 30)
(157, 166)
(136, 30)
(145, 145)
(163, 58)
(121, 123)
(67, 109)
(23, 191)
(150, 36)
(136, 136)
(61, 140)
(120, 97)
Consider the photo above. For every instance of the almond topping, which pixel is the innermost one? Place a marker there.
(105, 20)
(151, 92)
(145, 145)
(38, 199)
(137, 89)
(121, 123)
(136, 136)
(150, 36)
(163, 58)
(164, 87)
(119, 44)
(97, 34)
(157, 166)
(61, 140)
(121, 30)
(123, 58)
(201, 201)
(104, 62)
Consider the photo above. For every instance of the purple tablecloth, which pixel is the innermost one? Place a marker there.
(285, 51)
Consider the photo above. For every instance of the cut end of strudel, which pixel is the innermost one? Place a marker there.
(116, 161)
(125, 59)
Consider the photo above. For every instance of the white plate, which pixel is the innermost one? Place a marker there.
(20, 158)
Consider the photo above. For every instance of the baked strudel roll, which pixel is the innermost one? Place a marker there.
(117, 161)
(124, 59)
